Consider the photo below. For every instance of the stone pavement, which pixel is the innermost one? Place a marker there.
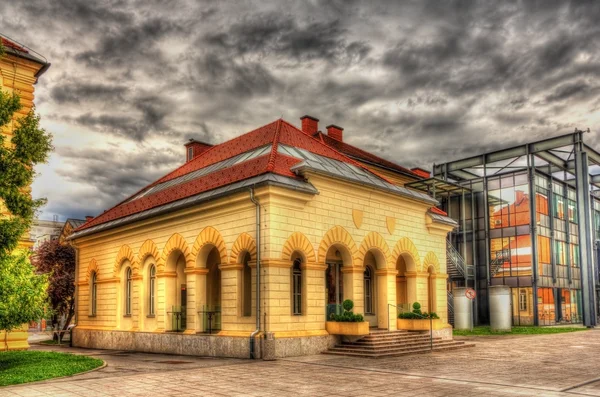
(541, 365)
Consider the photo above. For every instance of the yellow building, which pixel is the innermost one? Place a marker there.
(174, 267)
(20, 68)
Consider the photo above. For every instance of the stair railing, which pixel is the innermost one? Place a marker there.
(422, 318)
(458, 261)
(450, 300)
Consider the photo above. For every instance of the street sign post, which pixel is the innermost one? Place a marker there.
(470, 294)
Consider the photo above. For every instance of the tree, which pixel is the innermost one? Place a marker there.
(58, 262)
(22, 291)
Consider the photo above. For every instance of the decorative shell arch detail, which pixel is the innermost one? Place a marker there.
(431, 260)
(125, 253)
(209, 235)
(337, 235)
(175, 242)
(406, 246)
(298, 242)
(244, 243)
(373, 240)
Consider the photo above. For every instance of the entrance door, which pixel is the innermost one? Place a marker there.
(183, 306)
(334, 288)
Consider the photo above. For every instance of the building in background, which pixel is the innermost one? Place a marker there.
(20, 68)
(529, 218)
(42, 230)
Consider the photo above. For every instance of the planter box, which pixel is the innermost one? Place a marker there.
(343, 328)
(420, 325)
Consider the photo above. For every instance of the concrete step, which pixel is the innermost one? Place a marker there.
(388, 345)
(395, 347)
(393, 337)
(391, 341)
(397, 353)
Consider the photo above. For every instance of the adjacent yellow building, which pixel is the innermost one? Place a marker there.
(174, 267)
(19, 71)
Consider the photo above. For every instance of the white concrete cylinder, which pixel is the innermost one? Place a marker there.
(462, 309)
(500, 313)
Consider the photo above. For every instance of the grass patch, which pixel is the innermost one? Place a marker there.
(29, 366)
(483, 331)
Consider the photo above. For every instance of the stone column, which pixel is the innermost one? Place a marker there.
(162, 317)
(231, 301)
(353, 279)
(441, 296)
(386, 298)
(314, 302)
(416, 288)
(136, 307)
(196, 297)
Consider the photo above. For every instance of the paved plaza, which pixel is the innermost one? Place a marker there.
(540, 365)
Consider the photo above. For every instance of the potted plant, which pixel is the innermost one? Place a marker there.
(347, 323)
(418, 320)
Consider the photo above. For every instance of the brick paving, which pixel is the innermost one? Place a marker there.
(542, 365)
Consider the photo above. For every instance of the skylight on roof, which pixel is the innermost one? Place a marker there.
(209, 169)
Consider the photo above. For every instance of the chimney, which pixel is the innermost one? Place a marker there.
(335, 132)
(88, 218)
(310, 125)
(195, 148)
(421, 172)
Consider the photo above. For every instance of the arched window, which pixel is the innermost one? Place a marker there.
(128, 292)
(297, 287)
(368, 277)
(151, 290)
(93, 293)
(247, 287)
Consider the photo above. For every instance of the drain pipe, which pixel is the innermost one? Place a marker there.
(253, 335)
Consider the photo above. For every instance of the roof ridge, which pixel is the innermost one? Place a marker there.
(349, 159)
(274, 146)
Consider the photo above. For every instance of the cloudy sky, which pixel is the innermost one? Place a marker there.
(416, 82)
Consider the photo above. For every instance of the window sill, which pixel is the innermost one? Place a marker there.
(150, 316)
(91, 315)
(127, 315)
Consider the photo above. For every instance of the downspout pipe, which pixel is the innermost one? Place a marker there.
(253, 335)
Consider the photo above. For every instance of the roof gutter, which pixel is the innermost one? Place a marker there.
(253, 354)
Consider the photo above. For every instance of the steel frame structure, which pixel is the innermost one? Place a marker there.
(566, 159)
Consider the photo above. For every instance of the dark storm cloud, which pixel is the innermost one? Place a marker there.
(415, 82)
(114, 176)
(73, 92)
(282, 36)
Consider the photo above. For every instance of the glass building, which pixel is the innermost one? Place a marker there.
(529, 218)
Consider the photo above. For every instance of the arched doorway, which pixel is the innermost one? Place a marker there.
(212, 311)
(337, 283)
(374, 289)
(175, 292)
(406, 290)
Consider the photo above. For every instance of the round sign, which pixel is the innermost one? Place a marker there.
(470, 293)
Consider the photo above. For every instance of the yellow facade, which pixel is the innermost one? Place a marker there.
(207, 250)
(17, 74)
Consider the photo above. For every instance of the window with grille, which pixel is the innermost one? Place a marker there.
(128, 292)
(152, 290)
(297, 287)
(523, 300)
(368, 278)
(94, 293)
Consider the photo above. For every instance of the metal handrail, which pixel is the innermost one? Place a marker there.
(458, 261)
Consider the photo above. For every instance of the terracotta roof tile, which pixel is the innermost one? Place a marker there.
(279, 131)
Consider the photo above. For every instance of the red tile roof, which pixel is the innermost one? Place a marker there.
(12, 44)
(279, 131)
(438, 211)
(362, 155)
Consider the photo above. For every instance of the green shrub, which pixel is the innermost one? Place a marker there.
(348, 305)
(417, 314)
(347, 316)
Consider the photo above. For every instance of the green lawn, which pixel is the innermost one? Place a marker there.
(29, 366)
(482, 331)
